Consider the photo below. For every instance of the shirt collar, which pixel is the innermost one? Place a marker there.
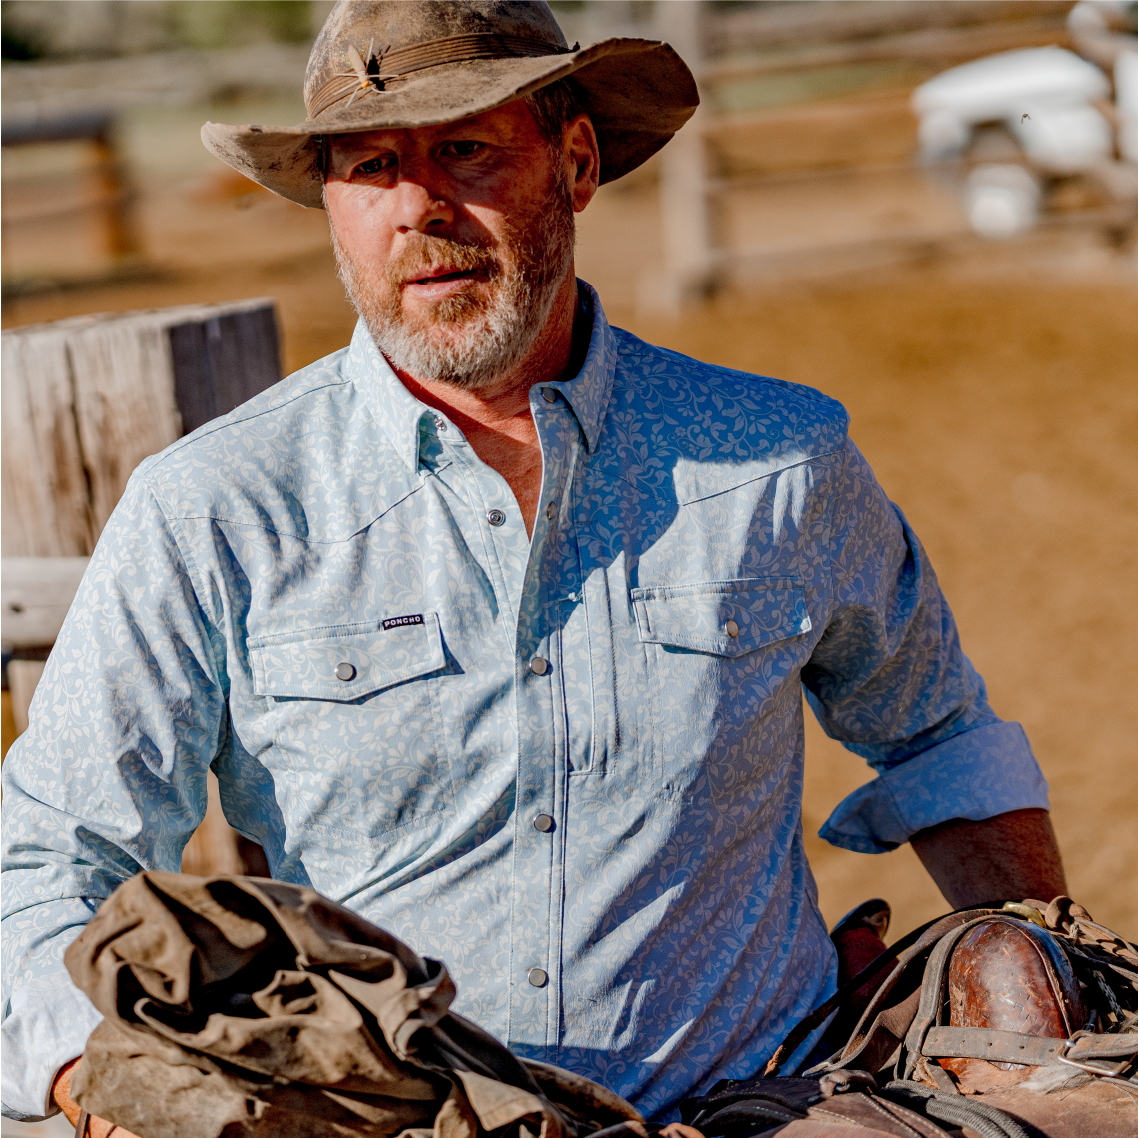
(587, 393)
(400, 415)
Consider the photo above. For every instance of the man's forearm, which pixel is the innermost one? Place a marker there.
(61, 1094)
(1008, 857)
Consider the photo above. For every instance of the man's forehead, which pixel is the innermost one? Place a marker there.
(512, 121)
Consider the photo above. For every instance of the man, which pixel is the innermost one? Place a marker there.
(494, 625)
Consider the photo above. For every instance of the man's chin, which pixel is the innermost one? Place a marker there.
(450, 337)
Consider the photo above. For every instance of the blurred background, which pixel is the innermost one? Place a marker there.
(875, 199)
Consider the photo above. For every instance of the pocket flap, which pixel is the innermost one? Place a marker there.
(346, 661)
(702, 617)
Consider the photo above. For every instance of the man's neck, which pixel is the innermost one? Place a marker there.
(496, 420)
(557, 353)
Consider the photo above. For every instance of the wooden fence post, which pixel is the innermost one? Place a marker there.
(85, 400)
(684, 213)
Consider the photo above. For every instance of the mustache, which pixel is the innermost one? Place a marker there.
(424, 253)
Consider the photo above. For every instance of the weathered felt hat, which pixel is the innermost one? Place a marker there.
(411, 63)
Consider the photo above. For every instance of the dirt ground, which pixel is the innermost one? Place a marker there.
(993, 389)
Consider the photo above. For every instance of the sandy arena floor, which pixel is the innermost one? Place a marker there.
(994, 390)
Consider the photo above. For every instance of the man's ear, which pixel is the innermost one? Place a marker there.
(583, 158)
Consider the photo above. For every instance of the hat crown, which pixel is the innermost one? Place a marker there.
(389, 25)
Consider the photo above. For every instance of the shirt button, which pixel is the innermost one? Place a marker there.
(551, 511)
(550, 396)
(732, 629)
(440, 424)
(495, 517)
(538, 977)
(345, 671)
(539, 666)
(543, 823)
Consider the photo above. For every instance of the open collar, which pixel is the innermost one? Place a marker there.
(400, 415)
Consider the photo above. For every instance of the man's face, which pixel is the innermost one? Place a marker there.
(453, 240)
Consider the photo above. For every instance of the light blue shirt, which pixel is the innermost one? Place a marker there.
(330, 599)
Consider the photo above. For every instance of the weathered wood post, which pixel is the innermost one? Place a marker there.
(84, 401)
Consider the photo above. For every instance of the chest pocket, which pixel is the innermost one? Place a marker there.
(723, 663)
(724, 618)
(372, 764)
(347, 661)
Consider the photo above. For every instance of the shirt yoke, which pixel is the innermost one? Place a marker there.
(685, 430)
(304, 459)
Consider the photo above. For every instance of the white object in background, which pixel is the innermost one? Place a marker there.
(1064, 140)
(1003, 200)
(1042, 94)
(1126, 100)
(1102, 29)
(35, 594)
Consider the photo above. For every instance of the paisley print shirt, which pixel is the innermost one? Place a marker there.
(570, 767)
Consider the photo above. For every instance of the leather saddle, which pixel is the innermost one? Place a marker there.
(1007, 974)
(1001, 1020)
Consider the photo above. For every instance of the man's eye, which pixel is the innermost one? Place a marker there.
(464, 149)
(375, 165)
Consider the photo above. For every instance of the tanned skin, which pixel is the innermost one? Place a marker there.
(465, 180)
(1005, 858)
(472, 177)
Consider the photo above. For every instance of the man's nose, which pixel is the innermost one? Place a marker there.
(419, 204)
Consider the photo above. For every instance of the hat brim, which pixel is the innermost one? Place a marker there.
(637, 93)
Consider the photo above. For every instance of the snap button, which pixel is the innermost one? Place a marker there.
(539, 666)
(538, 977)
(732, 629)
(543, 823)
(345, 671)
(495, 517)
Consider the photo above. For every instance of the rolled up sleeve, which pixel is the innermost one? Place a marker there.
(889, 680)
(109, 779)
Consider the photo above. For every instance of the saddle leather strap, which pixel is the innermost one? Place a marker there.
(995, 1046)
(1029, 1050)
(932, 998)
(903, 951)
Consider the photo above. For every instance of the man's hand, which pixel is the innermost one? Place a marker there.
(61, 1093)
(1008, 857)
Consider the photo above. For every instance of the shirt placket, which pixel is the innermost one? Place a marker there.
(539, 817)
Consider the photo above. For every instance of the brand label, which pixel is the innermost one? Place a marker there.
(399, 621)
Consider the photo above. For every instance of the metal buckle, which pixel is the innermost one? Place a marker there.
(1102, 1072)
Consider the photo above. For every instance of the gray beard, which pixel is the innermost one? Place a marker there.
(467, 342)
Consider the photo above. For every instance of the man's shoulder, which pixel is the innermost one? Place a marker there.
(744, 425)
(283, 461)
(674, 376)
(284, 406)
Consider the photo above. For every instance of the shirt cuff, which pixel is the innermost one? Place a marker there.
(47, 1026)
(975, 775)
